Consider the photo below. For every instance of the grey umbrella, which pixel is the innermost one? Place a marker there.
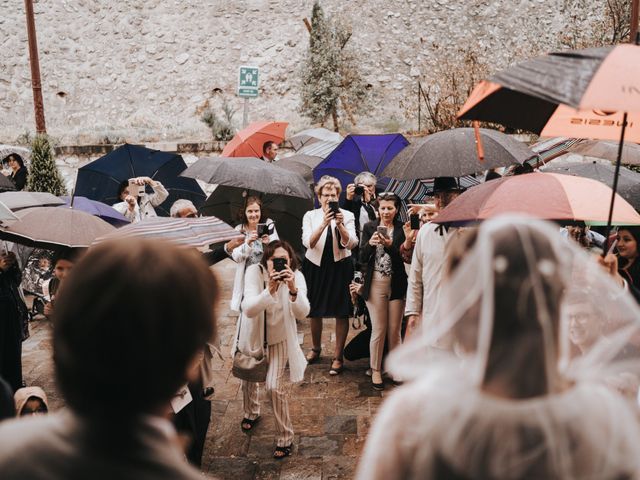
(249, 173)
(302, 164)
(6, 184)
(313, 135)
(628, 181)
(608, 150)
(19, 200)
(453, 153)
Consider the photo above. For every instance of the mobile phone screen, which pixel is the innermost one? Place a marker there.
(415, 221)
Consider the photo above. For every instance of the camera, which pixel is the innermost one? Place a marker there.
(262, 229)
(359, 190)
(358, 277)
(383, 232)
(414, 218)
(279, 264)
(134, 189)
(334, 207)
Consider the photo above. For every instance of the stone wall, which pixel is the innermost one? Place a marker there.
(142, 70)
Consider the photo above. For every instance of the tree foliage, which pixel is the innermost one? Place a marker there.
(43, 174)
(331, 81)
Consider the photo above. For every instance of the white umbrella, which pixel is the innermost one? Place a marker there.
(6, 215)
(313, 135)
(6, 150)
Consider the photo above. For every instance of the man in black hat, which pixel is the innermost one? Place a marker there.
(428, 261)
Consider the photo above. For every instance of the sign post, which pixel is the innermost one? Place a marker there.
(248, 83)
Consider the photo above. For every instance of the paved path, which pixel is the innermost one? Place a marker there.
(331, 415)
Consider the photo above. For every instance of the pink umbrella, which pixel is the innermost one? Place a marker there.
(248, 142)
(548, 196)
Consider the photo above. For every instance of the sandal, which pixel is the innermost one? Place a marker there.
(314, 355)
(281, 452)
(336, 370)
(250, 423)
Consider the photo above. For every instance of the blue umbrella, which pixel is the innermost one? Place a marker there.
(98, 209)
(361, 153)
(99, 180)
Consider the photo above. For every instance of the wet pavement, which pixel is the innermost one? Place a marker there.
(331, 415)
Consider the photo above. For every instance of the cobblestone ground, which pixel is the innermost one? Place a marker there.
(331, 415)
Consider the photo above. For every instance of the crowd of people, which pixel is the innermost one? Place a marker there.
(513, 348)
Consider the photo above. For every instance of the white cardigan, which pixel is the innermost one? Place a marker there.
(251, 322)
(312, 221)
(240, 255)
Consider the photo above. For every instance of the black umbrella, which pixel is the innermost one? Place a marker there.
(251, 174)
(99, 180)
(452, 153)
(302, 164)
(628, 181)
(227, 203)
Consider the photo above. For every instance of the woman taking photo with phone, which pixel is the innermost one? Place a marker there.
(136, 204)
(385, 281)
(275, 295)
(329, 234)
(258, 231)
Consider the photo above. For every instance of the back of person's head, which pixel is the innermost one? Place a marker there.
(128, 321)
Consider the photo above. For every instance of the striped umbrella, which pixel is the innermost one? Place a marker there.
(186, 232)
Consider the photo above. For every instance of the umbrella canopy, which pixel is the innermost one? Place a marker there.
(54, 228)
(6, 215)
(320, 149)
(19, 200)
(452, 153)
(361, 153)
(99, 180)
(249, 173)
(608, 150)
(248, 142)
(6, 150)
(186, 232)
(548, 196)
(99, 209)
(6, 185)
(314, 135)
(628, 182)
(228, 202)
(302, 164)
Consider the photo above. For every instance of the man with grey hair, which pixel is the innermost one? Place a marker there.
(360, 196)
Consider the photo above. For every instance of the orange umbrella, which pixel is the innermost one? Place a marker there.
(248, 142)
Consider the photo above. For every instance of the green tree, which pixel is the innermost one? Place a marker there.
(43, 174)
(331, 82)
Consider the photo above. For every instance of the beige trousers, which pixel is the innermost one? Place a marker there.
(275, 385)
(386, 318)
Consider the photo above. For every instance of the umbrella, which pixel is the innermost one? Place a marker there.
(549, 196)
(608, 150)
(99, 209)
(452, 153)
(6, 215)
(186, 232)
(314, 135)
(302, 164)
(99, 180)
(249, 173)
(19, 200)
(361, 153)
(628, 183)
(6, 185)
(320, 149)
(248, 142)
(227, 202)
(6, 150)
(53, 228)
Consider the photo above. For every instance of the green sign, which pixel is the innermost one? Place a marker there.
(248, 82)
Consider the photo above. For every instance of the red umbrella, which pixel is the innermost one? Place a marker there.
(248, 142)
(548, 196)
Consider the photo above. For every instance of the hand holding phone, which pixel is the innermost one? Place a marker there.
(383, 231)
(279, 264)
(135, 189)
(262, 229)
(414, 218)
(334, 207)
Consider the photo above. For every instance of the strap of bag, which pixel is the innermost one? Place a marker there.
(264, 343)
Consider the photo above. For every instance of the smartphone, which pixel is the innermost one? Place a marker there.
(414, 218)
(358, 277)
(382, 231)
(262, 229)
(135, 190)
(334, 207)
(359, 190)
(279, 264)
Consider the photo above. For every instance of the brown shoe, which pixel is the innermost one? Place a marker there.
(313, 356)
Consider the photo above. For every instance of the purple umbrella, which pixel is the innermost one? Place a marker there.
(98, 209)
(361, 153)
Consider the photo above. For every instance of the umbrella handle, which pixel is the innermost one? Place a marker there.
(479, 147)
(605, 247)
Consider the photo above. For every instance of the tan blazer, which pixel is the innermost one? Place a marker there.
(312, 221)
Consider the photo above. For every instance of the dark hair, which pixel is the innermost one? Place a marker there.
(267, 145)
(271, 247)
(69, 254)
(17, 158)
(242, 214)
(128, 322)
(386, 196)
(123, 185)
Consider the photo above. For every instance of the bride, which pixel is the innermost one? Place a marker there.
(495, 390)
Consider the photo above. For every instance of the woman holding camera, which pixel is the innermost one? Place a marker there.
(385, 282)
(275, 294)
(258, 231)
(329, 234)
(136, 204)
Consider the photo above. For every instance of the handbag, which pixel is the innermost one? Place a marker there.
(249, 368)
